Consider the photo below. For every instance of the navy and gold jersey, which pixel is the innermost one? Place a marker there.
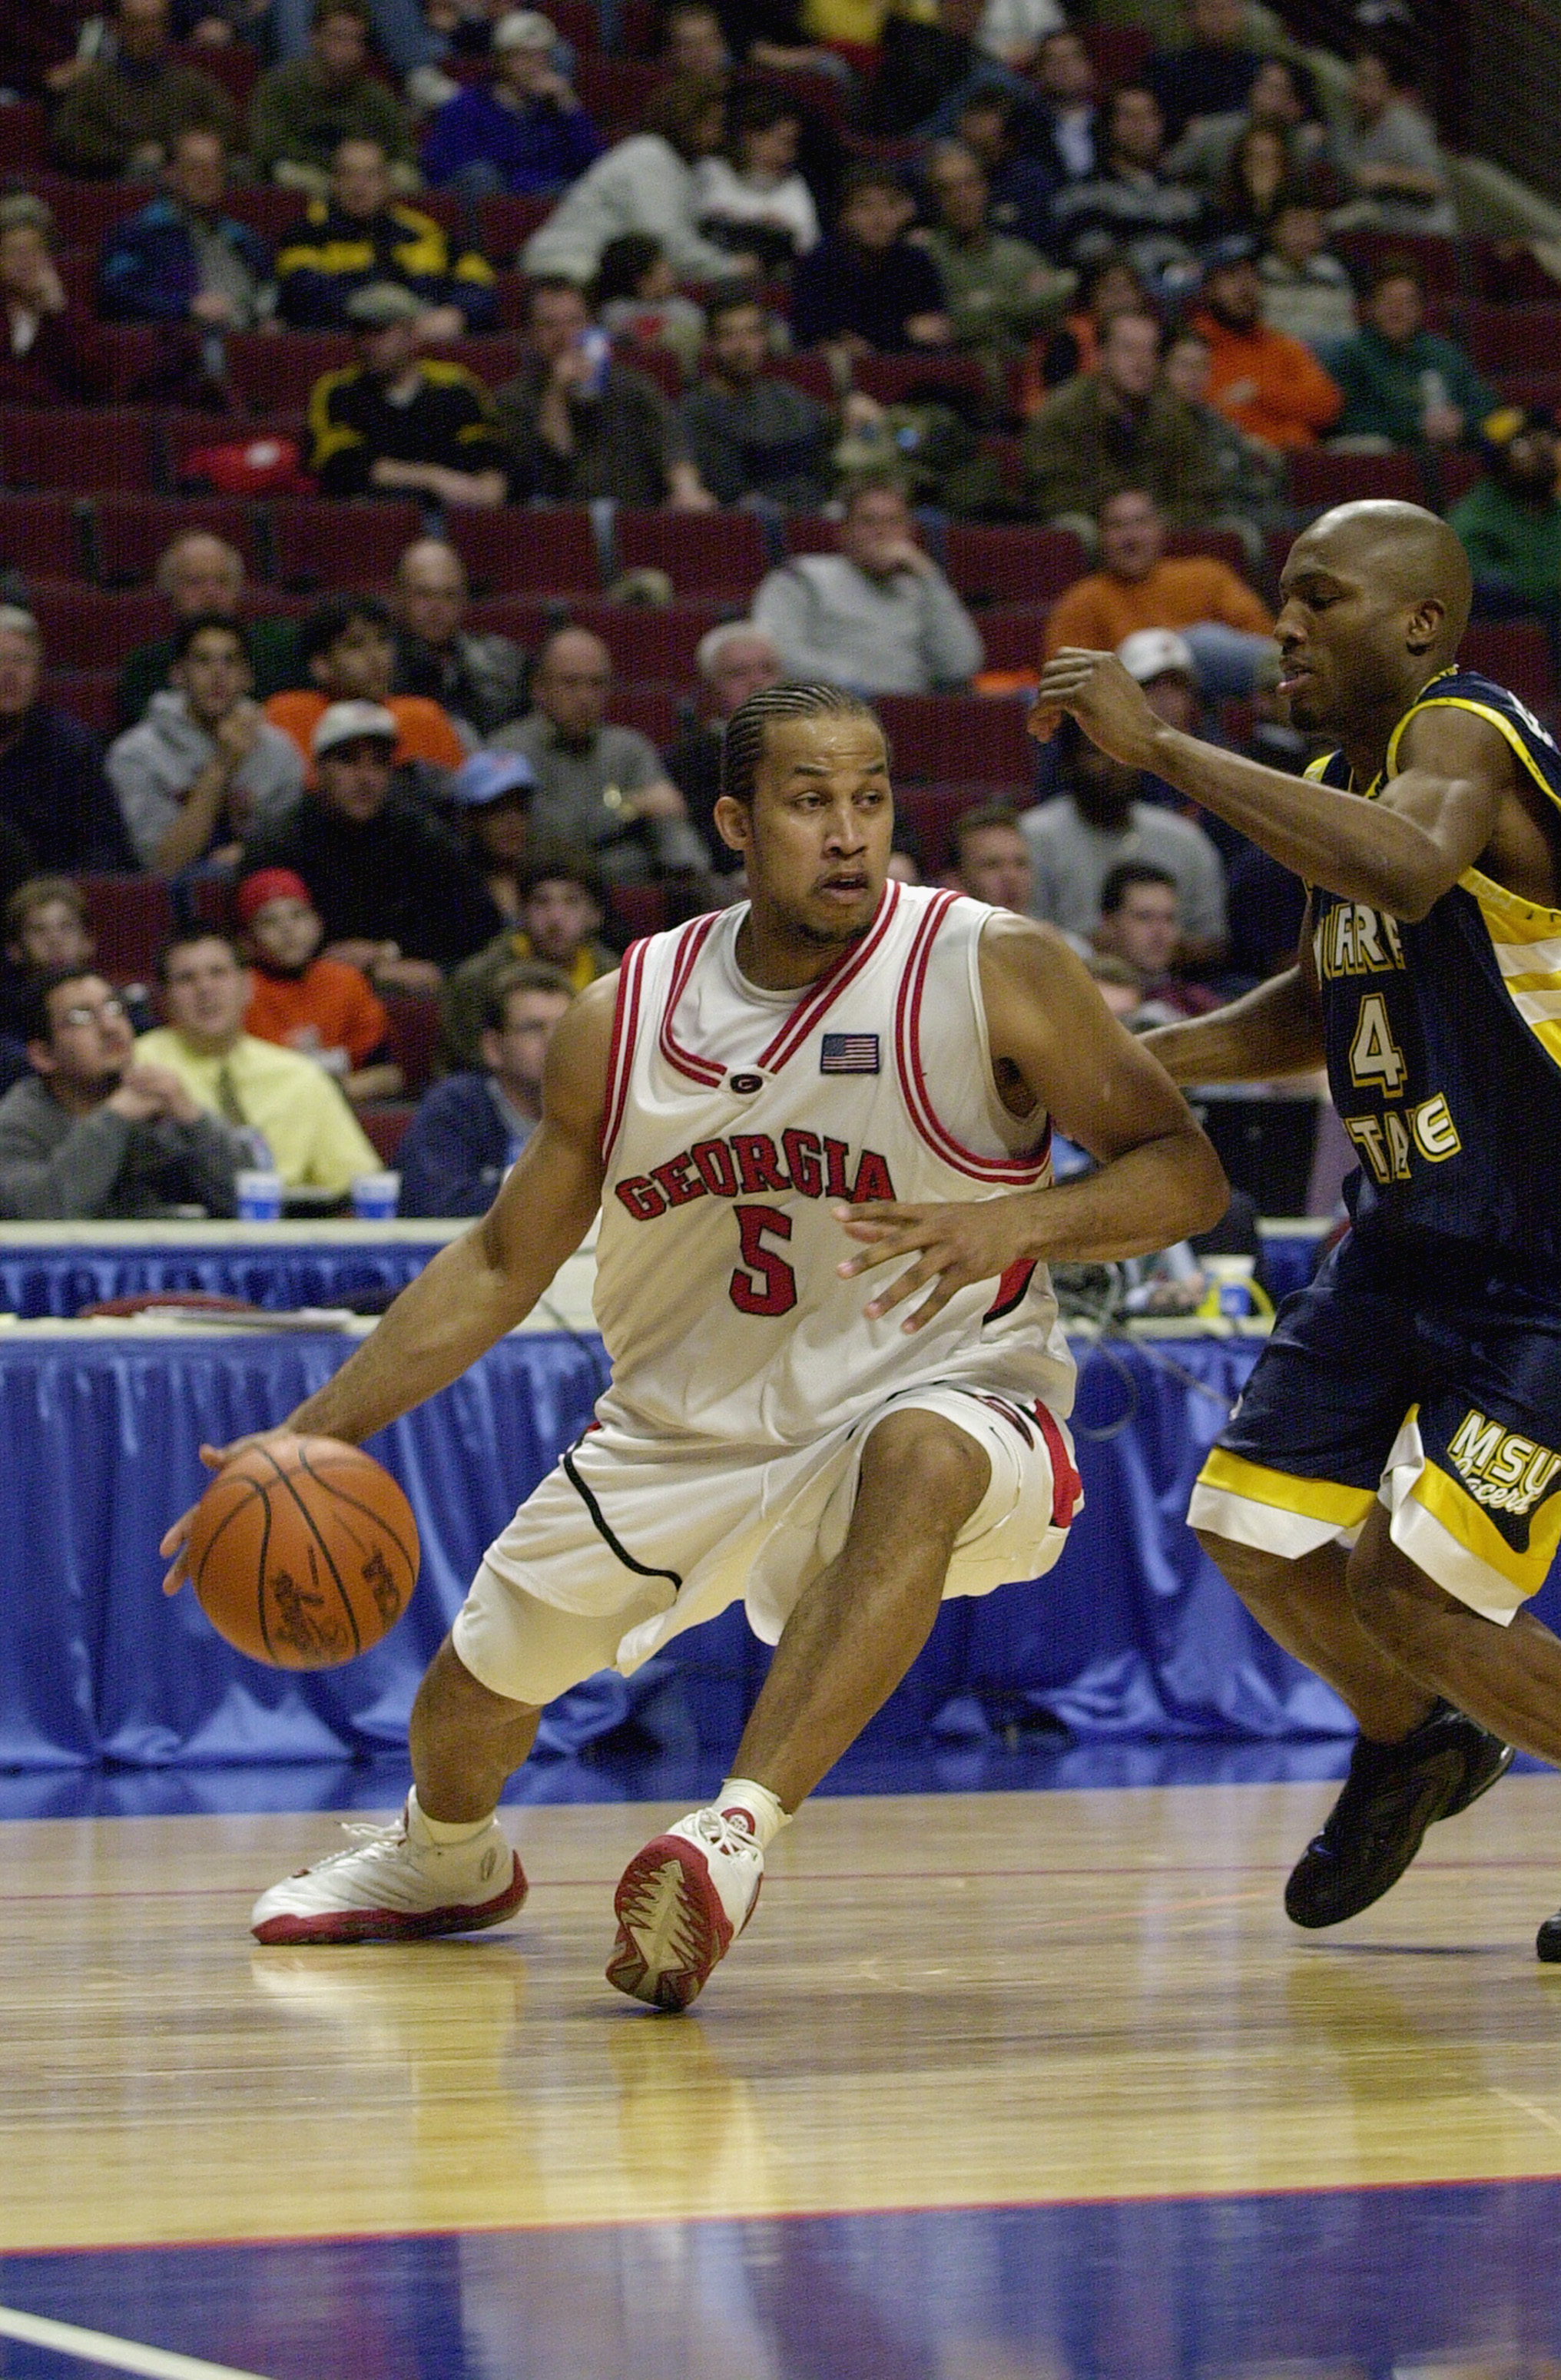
(1444, 1037)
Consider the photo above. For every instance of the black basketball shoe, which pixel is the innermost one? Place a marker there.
(1392, 1793)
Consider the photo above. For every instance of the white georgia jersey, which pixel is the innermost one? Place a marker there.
(736, 1117)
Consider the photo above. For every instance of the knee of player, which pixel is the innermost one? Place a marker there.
(921, 1465)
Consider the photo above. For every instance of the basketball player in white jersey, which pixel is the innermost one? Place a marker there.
(728, 1098)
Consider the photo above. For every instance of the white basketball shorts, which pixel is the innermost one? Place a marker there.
(625, 1545)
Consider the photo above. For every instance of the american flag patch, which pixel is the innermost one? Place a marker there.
(849, 1053)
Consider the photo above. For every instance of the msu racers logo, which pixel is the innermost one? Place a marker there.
(1501, 1468)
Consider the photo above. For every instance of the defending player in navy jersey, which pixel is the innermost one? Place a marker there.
(1387, 1494)
(739, 1087)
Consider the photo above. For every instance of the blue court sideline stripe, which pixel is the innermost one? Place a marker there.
(115, 2354)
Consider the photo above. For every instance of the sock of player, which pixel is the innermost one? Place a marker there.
(741, 1799)
(443, 1831)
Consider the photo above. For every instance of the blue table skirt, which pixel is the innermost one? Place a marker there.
(1134, 1633)
(55, 1283)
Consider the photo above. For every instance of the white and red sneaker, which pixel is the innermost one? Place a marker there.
(680, 1904)
(394, 1885)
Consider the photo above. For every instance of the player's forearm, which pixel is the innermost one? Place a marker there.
(1361, 850)
(1273, 1031)
(1163, 1190)
(459, 1306)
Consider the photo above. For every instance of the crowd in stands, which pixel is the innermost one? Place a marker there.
(490, 399)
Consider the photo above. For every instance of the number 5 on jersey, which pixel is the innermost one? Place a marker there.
(1375, 1056)
(763, 1282)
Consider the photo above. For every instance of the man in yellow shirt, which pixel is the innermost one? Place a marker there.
(314, 1139)
(1139, 585)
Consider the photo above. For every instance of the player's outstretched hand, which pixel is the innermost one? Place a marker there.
(954, 1245)
(1108, 704)
(175, 1547)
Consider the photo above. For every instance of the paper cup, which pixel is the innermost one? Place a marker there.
(258, 1195)
(374, 1197)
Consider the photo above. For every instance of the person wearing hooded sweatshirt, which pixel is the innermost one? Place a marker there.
(205, 766)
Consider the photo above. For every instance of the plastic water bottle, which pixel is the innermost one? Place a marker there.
(596, 349)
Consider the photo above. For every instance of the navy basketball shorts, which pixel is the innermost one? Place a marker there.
(1432, 1388)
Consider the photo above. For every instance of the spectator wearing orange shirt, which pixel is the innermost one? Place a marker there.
(346, 647)
(319, 1007)
(1268, 385)
(1138, 585)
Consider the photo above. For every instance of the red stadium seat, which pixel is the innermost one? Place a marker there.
(41, 536)
(716, 555)
(1540, 391)
(1516, 653)
(655, 646)
(929, 812)
(613, 92)
(518, 549)
(578, 24)
(1454, 472)
(414, 1034)
(651, 711)
(78, 450)
(1119, 51)
(88, 627)
(274, 213)
(1514, 338)
(23, 131)
(234, 65)
(947, 737)
(91, 695)
(494, 359)
(1012, 634)
(320, 543)
(274, 373)
(810, 371)
(525, 618)
(128, 533)
(87, 212)
(1013, 566)
(131, 918)
(508, 222)
(1445, 264)
(1216, 545)
(812, 533)
(1320, 480)
(658, 365)
(386, 1127)
(895, 380)
(636, 910)
(1510, 273)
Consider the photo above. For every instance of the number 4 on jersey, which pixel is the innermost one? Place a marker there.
(1375, 1056)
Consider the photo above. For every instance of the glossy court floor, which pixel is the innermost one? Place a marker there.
(1000, 2085)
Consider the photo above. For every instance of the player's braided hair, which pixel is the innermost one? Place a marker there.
(742, 747)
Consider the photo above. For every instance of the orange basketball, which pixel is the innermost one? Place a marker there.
(303, 1552)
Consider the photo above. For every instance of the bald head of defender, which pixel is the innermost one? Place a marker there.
(1375, 599)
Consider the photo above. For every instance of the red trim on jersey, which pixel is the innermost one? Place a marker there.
(822, 995)
(918, 1102)
(703, 1070)
(620, 1055)
(1012, 1289)
(1066, 1484)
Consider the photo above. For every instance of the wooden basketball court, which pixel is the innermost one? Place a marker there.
(1043, 2009)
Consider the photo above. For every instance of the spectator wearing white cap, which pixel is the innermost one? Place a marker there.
(399, 896)
(1138, 585)
(526, 132)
